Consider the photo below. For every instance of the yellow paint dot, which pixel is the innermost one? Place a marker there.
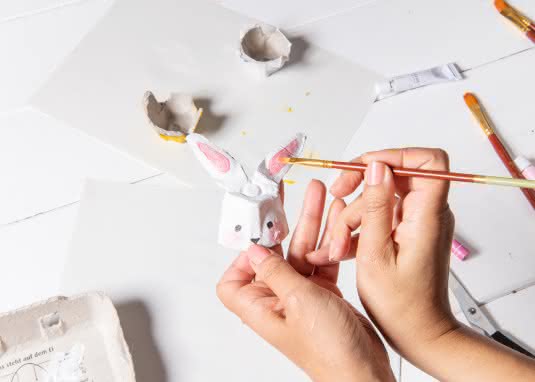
(289, 181)
(290, 109)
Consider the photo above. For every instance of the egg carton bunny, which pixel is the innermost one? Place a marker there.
(252, 210)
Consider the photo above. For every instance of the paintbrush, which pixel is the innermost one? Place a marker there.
(521, 21)
(478, 112)
(416, 173)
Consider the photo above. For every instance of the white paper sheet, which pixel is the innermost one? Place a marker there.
(192, 46)
(10, 10)
(142, 245)
(397, 37)
(35, 46)
(286, 14)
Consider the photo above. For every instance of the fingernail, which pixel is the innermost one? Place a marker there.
(257, 254)
(336, 251)
(375, 174)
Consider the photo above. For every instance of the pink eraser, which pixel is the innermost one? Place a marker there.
(459, 250)
(525, 167)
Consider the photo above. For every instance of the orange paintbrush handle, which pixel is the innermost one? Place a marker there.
(415, 172)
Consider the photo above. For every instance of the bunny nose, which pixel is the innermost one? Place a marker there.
(255, 241)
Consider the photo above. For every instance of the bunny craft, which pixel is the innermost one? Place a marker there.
(252, 210)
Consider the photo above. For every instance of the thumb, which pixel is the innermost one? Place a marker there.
(379, 201)
(275, 272)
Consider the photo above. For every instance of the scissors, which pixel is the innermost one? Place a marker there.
(479, 320)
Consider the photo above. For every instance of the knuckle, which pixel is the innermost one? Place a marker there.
(300, 247)
(220, 291)
(441, 158)
(272, 267)
(250, 315)
(310, 215)
(376, 205)
(299, 297)
(356, 160)
(377, 254)
(294, 297)
(447, 218)
(340, 231)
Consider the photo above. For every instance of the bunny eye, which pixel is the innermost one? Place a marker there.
(237, 228)
(270, 224)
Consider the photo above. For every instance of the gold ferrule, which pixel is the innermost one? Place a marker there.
(521, 21)
(327, 164)
(482, 119)
(311, 162)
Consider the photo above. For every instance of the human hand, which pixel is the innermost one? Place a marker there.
(403, 248)
(299, 309)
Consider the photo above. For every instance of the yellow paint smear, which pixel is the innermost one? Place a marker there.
(289, 181)
(289, 109)
(243, 133)
(179, 139)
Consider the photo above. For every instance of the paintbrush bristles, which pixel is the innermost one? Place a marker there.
(501, 5)
(478, 112)
(287, 160)
(471, 100)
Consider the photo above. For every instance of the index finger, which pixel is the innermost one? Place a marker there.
(431, 193)
(347, 182)
(305, 237)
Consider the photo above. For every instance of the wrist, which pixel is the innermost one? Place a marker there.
(417, 339)
(359, 372)
(427, 352)
(383, 374)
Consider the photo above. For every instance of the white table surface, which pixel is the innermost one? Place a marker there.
(43, 162)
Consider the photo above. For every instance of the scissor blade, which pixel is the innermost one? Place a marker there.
(472, 312)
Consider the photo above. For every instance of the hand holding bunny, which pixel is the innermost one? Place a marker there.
(299, 309)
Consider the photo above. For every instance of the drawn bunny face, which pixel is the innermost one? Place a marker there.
(252, 210)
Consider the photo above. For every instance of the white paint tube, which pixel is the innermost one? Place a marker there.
(400, 84)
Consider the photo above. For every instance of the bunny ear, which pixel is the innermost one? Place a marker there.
(272, 168)
(219, 164)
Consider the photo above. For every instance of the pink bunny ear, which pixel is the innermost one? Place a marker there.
(219, 164)
(219, 160)
(272, 168)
